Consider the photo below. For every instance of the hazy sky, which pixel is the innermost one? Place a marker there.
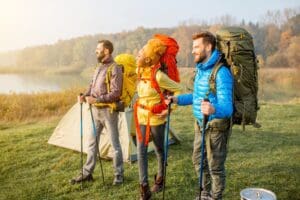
(32, 22)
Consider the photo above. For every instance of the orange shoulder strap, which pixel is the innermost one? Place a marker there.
(154, 82)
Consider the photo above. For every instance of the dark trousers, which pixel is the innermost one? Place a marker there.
(157, 135)
(216, 142)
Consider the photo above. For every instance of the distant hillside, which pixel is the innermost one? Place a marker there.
(8, 58)
(278, 45)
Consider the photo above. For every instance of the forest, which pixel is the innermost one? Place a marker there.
(276, 39)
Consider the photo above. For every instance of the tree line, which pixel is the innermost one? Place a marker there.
(276, 40)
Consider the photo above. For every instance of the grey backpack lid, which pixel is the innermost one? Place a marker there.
(257, 194)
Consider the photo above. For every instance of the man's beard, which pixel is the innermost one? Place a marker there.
(100, 58)
(201, 57)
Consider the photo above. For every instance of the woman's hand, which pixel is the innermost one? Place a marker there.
(163, 114)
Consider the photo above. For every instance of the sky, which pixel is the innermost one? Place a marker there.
(26, 23)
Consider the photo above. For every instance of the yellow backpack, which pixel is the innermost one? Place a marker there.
(129, 77)
(128, 64)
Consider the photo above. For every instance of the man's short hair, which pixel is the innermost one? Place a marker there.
(107, 45)
(208, 38)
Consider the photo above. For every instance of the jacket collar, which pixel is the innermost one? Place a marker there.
(210, 62)
(108, 60)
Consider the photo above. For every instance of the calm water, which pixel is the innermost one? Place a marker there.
(19, 83)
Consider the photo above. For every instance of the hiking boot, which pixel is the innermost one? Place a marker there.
(204, 196)
(81, 178)
(145, 193)
(118, 180)
(158, 185)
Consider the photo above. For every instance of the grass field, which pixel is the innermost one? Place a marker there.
(18, 108)
(267, 157)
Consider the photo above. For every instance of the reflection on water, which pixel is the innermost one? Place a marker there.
(18, 83)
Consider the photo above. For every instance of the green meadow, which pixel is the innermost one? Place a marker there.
(267, 157)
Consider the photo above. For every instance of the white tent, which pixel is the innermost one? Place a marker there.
(67, 133)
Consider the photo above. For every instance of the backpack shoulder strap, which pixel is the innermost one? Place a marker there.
(212, 78)
(154, 82)
(108, 76)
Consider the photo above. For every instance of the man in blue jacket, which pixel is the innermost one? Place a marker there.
(219, 108)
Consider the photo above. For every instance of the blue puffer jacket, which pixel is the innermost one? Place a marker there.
(222, 101)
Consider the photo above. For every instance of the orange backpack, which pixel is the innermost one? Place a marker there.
(168, 60)
(168, 65)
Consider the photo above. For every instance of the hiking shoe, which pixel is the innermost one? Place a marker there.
(145, 193)
(158, 185)
(118, 180)
(204, 196)
(81, 178)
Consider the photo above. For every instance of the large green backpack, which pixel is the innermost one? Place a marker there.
(236, 45)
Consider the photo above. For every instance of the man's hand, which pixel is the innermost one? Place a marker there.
(173, 99)
(90, 99)
(80, 99)
(207, 108)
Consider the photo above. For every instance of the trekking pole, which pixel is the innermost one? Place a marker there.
(97, 142)
(204, 122)
(81, 144)
(166, 143)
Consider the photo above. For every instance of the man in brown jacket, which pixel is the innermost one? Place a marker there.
(100, 95)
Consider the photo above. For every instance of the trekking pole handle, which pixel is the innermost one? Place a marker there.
(169, 108)
(81, 94)
(171, 100)
(205, 117)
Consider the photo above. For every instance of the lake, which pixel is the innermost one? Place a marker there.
(20, 83)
